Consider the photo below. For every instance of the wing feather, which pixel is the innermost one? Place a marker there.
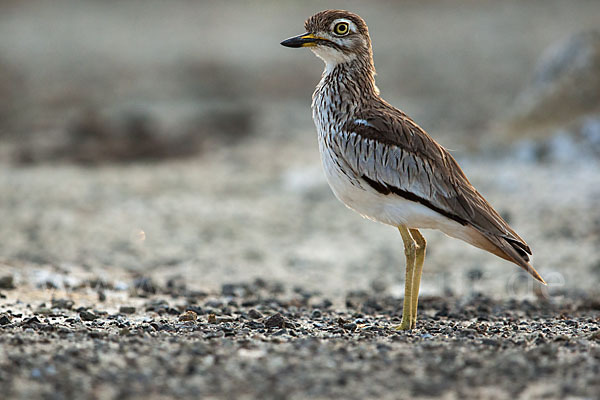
(396, 155)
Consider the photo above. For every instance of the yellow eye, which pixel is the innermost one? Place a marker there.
(341, 28)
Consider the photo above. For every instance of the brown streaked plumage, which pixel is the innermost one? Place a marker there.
(380, 163)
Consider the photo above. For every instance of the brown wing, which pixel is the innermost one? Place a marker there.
(394, 155)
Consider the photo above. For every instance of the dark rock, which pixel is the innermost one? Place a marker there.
(157, 306)
(145, 284)
(326, 303)
(87, 316)
(7, 282)
(32, 320)
(350, 327)
(275, 321)
(254, 314)
(127, 310)
(316, 313)
(4, 320)
(230, 289)
(62, 303)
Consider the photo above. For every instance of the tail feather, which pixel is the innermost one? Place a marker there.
(515, 252)
(510, 249)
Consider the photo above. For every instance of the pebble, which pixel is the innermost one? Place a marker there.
(127, 310)
(7, 282)
(87, 316)
(275, 321)
(254, 314)
(62, 303)
(188, 316)
(32, 320)
(350, 327)
(325, 342)
(44, 311)
(145, 284)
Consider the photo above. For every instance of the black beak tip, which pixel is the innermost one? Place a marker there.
(291, 42)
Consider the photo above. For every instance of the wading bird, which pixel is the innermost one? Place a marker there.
(381, 164)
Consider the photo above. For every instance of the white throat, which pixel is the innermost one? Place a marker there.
(332, 57)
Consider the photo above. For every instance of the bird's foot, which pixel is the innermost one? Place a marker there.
(406, 325)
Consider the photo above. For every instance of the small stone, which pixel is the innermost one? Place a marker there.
(316, 313)
(230, 289)
(87, 316)
(188, 316)
(326, 303)
(212, 319)
(127, 310)
(350, 327)
(62, 303)
(44, 311)
(7, 282)
(101, 296)
(32, 320)
(4, 320)
(145, 284)
(254, 314)
(275, 321)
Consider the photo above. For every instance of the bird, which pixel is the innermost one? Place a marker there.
(384, 166)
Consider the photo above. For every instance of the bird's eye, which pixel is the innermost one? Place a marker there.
(341, 28)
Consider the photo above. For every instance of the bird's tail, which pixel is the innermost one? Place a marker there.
(514, 251)
(511, 249)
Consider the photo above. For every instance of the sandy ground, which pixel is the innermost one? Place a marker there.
(265, 210)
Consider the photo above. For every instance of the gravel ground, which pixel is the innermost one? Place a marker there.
(259, 339)
(118, 286)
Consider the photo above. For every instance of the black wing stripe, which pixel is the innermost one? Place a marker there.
(387, 189)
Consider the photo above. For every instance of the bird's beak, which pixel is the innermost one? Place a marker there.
(304, 40)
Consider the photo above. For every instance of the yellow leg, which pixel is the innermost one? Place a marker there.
(409, 251)
(416, 283)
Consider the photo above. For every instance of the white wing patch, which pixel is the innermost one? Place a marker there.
(362, 122)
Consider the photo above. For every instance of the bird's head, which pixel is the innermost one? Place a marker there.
(336, 36)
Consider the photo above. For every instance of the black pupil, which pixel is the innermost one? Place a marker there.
(342, 28)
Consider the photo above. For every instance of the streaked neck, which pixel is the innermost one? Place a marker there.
(355, 78)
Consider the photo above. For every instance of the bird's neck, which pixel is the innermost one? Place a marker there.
(345, 88)
(353, 78)
(344, 91)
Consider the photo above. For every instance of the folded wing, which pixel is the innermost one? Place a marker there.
(396, 157)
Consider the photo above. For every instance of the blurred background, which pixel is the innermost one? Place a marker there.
(174, 139)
